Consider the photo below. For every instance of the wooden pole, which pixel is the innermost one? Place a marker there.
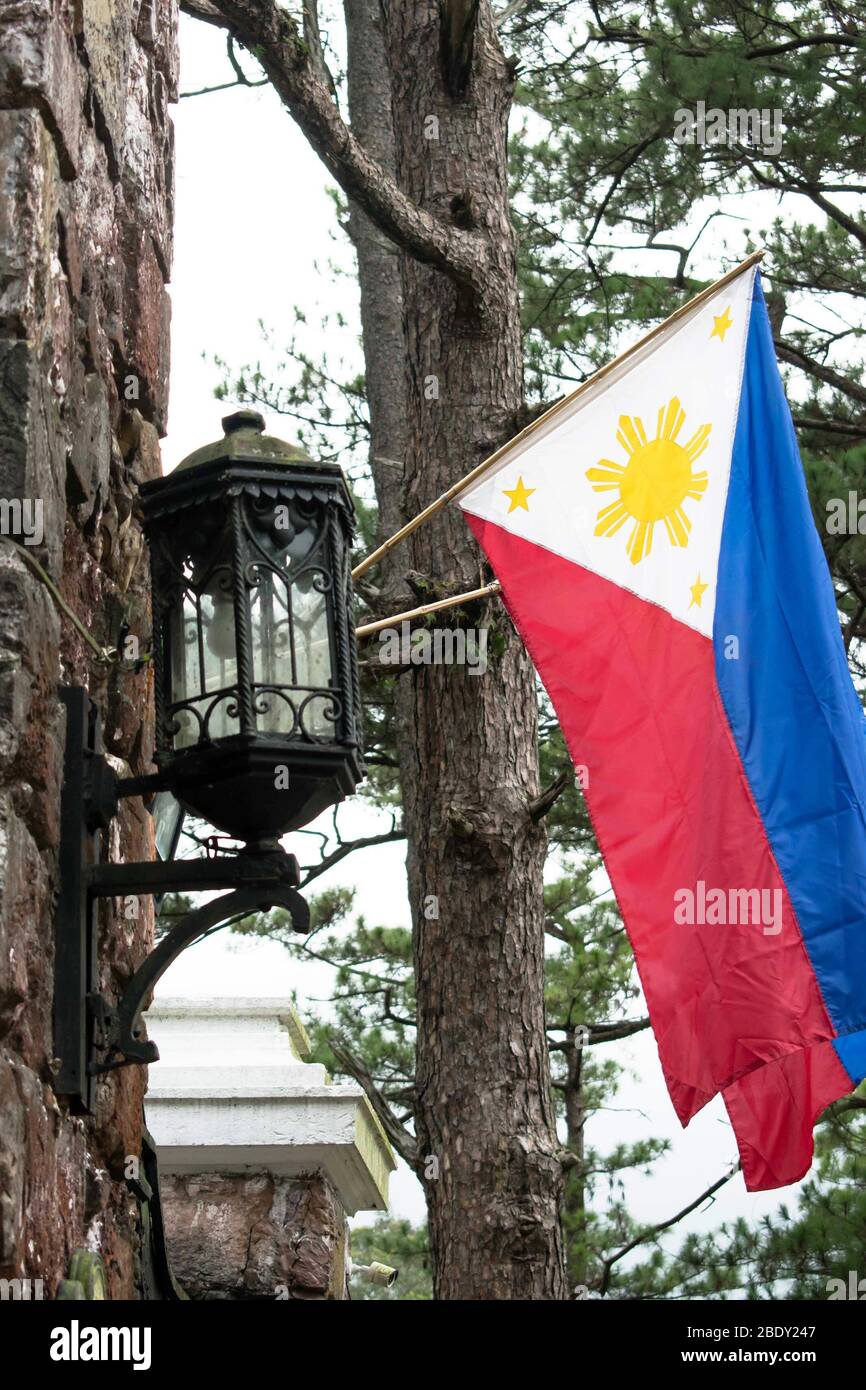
(367, 628)
(481, 468)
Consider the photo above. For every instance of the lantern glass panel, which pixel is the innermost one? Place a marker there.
(203, 656)
(313, 647)
(291, 622)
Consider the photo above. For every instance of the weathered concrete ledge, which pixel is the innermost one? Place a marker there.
(232, 1094)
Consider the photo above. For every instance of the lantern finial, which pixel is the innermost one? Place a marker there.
(243, 420)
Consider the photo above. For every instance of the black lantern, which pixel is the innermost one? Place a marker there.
(257, 698)
(258, 722)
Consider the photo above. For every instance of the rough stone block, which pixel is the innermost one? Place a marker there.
(29, 643)
(12, 1175)
(255, 1236)
(39, 68)
(106, 34)
(156, 31)
(28, 207)
(147, 461)
(26, 944)
(148, 155)
(32, 442)
(146, 326)
(92, 202)
(90, 454)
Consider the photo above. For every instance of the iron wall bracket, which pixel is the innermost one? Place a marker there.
(92, 1036)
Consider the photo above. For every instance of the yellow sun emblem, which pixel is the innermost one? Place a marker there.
(654, 483)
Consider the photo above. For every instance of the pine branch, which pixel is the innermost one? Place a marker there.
(541, 804)
(610, 1032)
(398, 1136)
(828, 426)
(843, 1107)
(348, 847)
(796, 358)
(271, 35)
(509, 11)
(240, 78)
(596, 1033)
(652, 1231)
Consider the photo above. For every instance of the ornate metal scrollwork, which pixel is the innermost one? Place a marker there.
(123, 1026)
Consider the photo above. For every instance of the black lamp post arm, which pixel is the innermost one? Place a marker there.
(91, 1035)
(266, 869)
(123, 1026)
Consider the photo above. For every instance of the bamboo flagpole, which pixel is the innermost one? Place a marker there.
(455, 490)
(366, 628)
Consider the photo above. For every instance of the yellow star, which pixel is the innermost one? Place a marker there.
(519, 496)
(722, 322)
(697, 592)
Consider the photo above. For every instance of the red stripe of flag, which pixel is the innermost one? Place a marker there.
(636, 696)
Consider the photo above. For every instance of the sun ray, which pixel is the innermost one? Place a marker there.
(631, 434)
(606, 475)
(655, 481)
(610, 519)
(640, 541)
(670, 420)
(698, 443)
(605, 466)
(611, 507)
(615, 523)
(680, 525)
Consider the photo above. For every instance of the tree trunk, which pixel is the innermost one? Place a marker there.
(369, 92)
(484, 1115)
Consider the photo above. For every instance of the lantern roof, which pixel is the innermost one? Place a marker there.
(244, 441)
(245, 460)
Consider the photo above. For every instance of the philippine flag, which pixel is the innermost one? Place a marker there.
(656, 551)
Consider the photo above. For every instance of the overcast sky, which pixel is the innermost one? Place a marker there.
(255, 233)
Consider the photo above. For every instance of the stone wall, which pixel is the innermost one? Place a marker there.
(255, 1235)
(85, 251)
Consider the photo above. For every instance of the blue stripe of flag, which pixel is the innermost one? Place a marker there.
(792, 707)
